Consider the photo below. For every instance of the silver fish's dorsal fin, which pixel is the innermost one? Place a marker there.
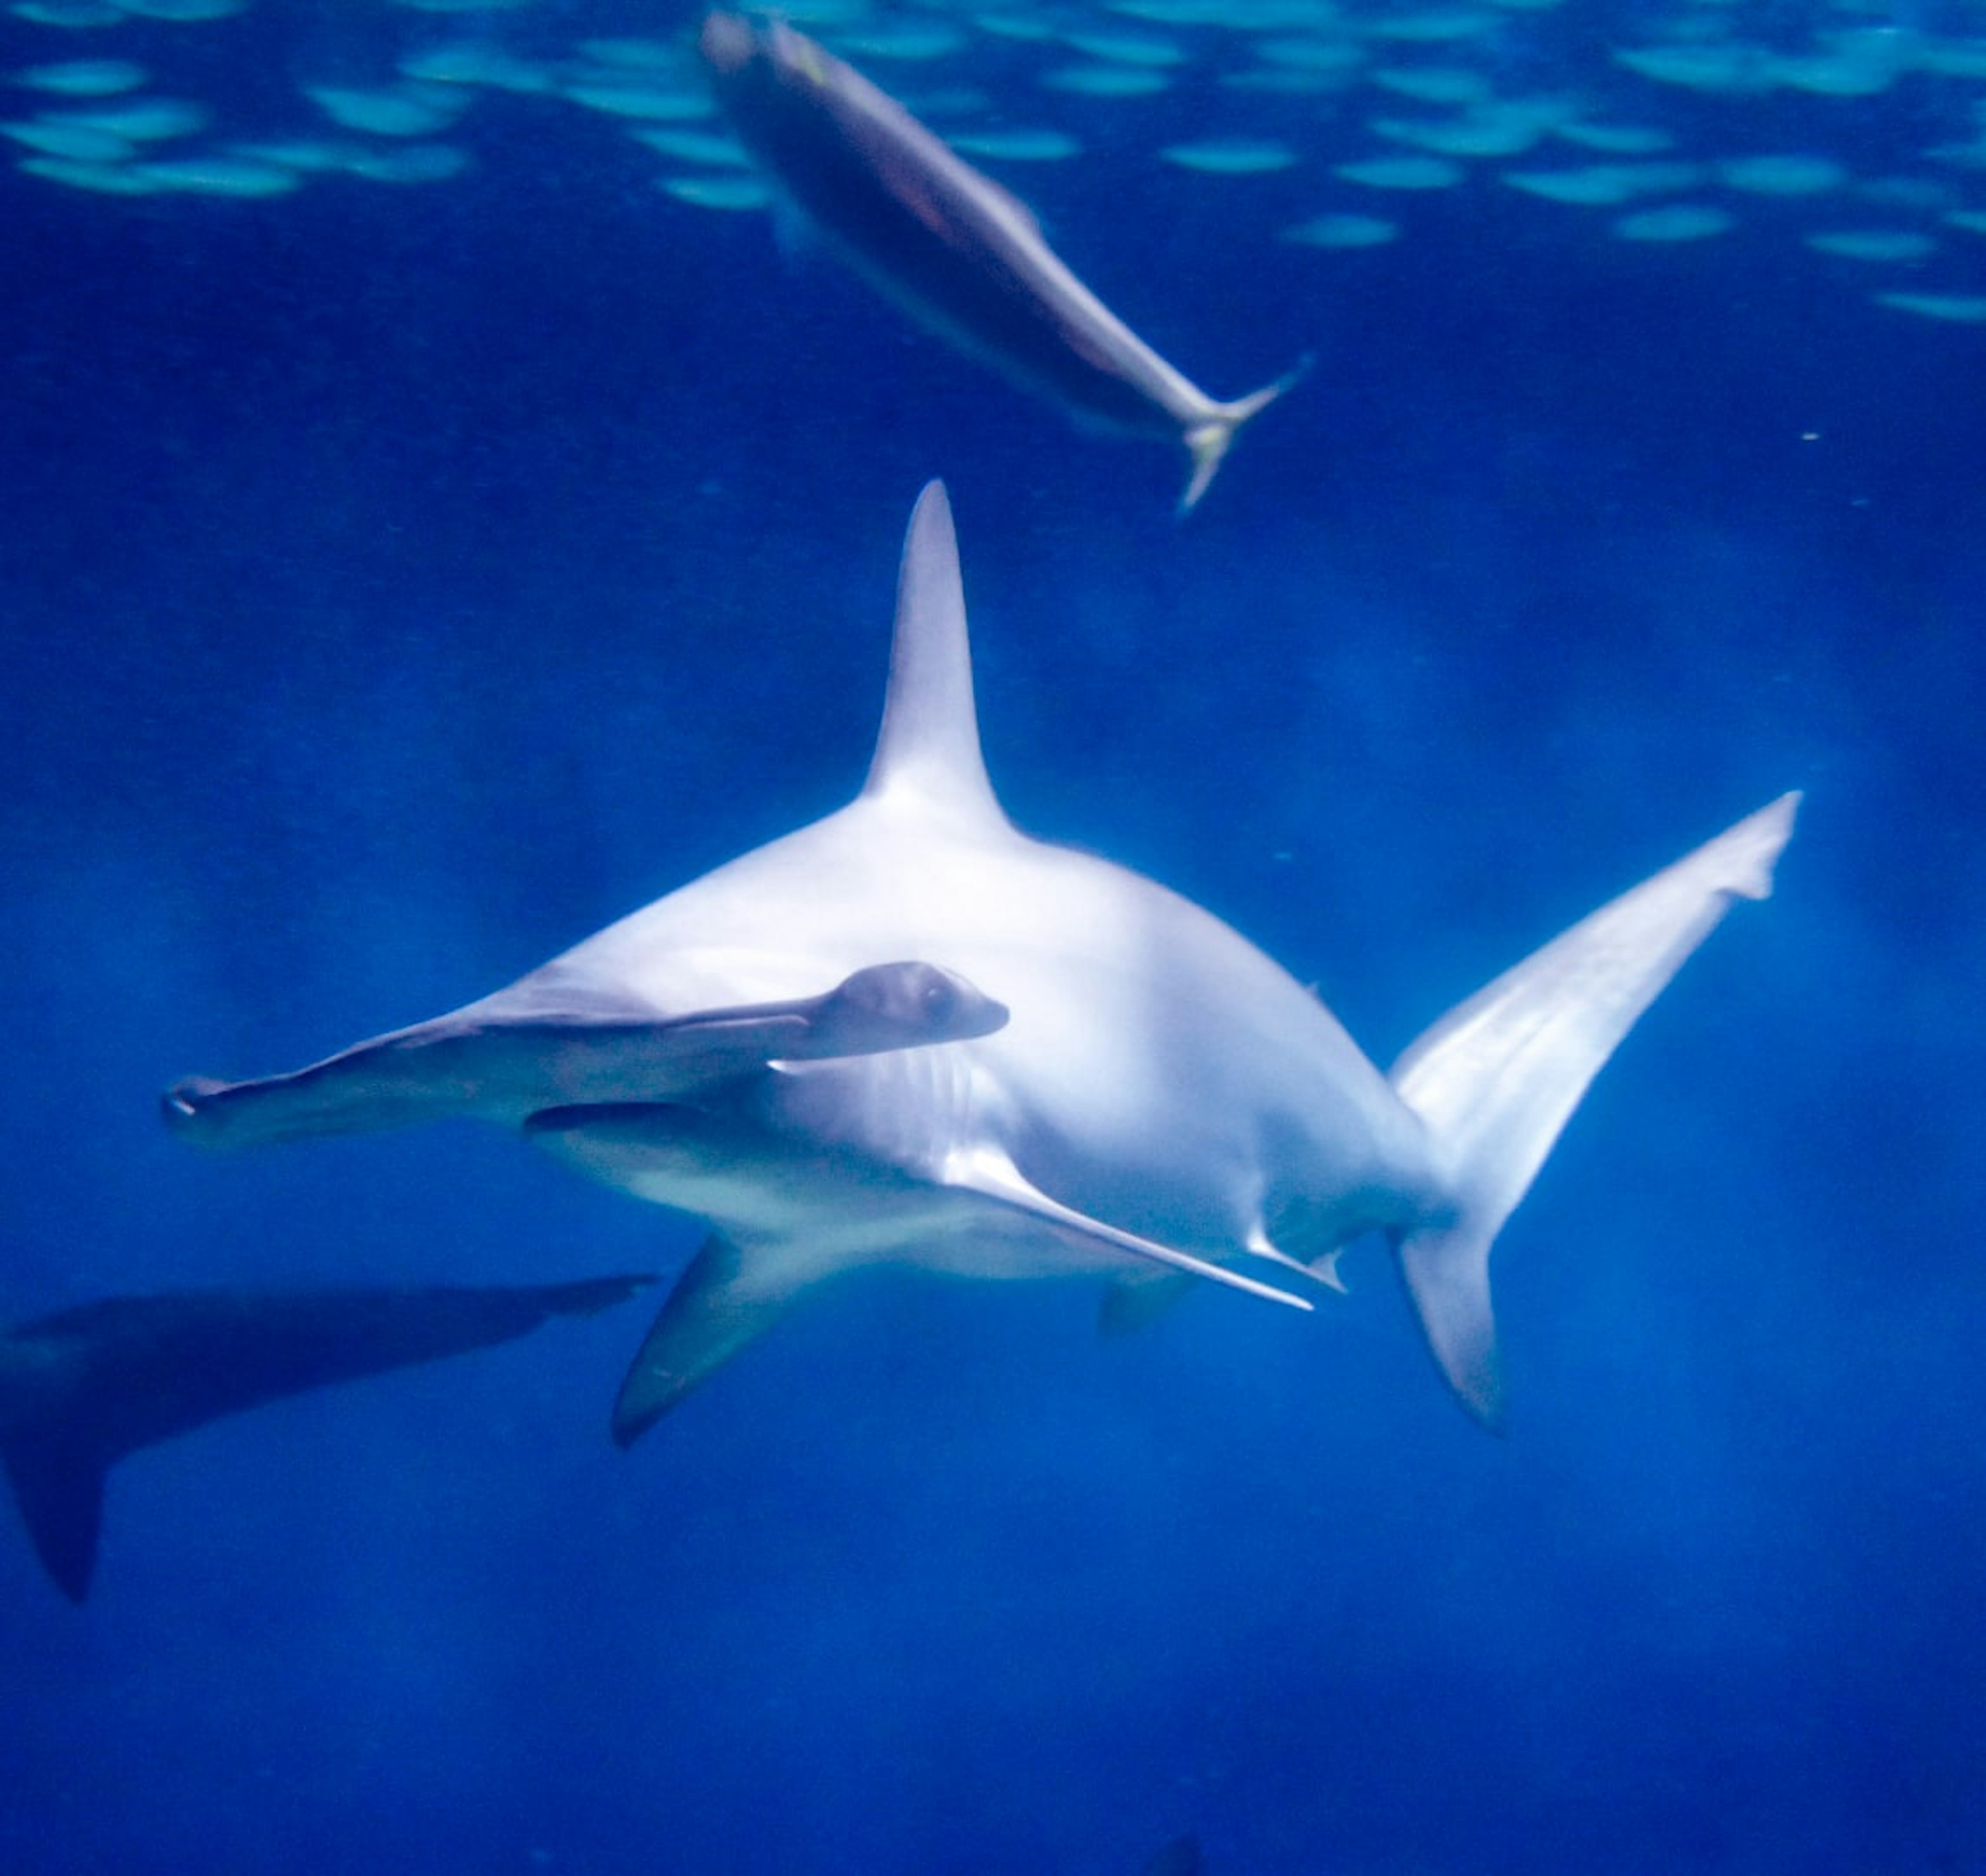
(928, 750)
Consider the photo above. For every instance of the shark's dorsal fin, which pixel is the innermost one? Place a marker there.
(928, 750)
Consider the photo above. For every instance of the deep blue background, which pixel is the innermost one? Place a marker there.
(395, 587)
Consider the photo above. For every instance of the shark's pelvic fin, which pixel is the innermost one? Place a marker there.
(928, 749)
(1318, 1270)
(1498, 1077)
(1324, 1269)
(715, 1309)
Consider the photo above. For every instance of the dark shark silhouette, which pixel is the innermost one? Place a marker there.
(80, 1389)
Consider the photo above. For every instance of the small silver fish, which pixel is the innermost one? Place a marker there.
(950, 246)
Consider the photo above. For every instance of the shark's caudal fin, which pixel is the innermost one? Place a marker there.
(1498, 1077)
(1207, 441)
(928, 749)
(80, 1391)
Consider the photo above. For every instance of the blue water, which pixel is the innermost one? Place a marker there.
(398, 586)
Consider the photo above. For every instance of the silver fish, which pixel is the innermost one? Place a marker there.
(950, 246)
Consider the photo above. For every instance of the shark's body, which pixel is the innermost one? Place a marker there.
(1079, 1071)
(82, 1390)
(949, 245)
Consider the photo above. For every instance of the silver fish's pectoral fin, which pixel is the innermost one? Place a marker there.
(719, 1304)
(1208, 438)
(1496, 1078)
(523, 1051)
(992, 1175)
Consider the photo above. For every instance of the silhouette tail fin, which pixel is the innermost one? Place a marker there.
(58, 1485)
(1207, 441)
(1497, 1077)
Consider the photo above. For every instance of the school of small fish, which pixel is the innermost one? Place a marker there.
(1850, 134)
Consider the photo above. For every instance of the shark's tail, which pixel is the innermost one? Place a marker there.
(1207, 441)
(58, 1475)
(1499, 1076)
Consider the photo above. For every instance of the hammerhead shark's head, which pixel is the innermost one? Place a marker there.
(910, 1033)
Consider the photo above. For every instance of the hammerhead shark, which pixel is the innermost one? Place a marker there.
(950, 247)
(82, 1388)
(910, 1033)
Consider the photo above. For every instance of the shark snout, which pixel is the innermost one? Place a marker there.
(906, 1005)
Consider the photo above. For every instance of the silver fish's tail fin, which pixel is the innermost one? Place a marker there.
(1207, 441)
(1497, 1077)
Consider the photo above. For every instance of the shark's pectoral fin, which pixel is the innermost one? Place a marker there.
(720, 1304)
(1497, 1077)
(539, 1047)
(58, 1485)
(992, 1175)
